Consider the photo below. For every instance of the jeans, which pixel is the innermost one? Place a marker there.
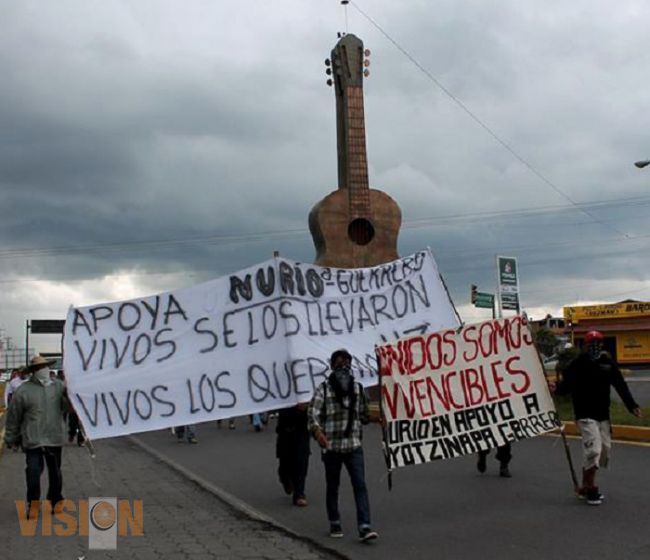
(34, 468)
(353, 462)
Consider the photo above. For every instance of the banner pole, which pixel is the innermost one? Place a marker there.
(87, 441)
(576, 485)
(382, 422)
(444, 285)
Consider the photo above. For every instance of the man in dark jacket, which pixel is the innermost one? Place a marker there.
(292, 451)
(588, 380)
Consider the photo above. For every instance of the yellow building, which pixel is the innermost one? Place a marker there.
(625, 325)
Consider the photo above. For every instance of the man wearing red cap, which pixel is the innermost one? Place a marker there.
(588, 379)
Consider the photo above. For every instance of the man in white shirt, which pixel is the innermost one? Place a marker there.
(19, 377)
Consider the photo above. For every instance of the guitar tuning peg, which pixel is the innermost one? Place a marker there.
(328, 71)
(366, 62)
(329, 83)
(366, 72)
(367, 52)
(327, 62)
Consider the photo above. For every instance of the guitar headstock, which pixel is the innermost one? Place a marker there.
(348, 63)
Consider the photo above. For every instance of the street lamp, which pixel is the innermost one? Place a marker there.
(642, 164)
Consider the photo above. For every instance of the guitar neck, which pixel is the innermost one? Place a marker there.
(352, 160)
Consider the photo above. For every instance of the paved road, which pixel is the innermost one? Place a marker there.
(181, 521)
(444, 510)
(639, 383)
(640, 388)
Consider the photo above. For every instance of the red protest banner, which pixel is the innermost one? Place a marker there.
(456, 392)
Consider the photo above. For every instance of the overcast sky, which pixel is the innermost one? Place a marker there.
(149, 145)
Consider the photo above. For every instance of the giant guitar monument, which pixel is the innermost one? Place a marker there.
(354, 226)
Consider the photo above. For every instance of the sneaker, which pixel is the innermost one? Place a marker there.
(193, 440)
(336, 532)
(594, 497)
(505, 472)
(300, 502)
(287, 486)
(58, 506)
(367, 534)
(231, 425)
(33, 509)
(480, 464)
(583, 492)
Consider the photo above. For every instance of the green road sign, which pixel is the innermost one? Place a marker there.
(484, 300)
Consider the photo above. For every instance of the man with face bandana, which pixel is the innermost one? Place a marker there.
(588, 379)
(35, 422)
(337, 411)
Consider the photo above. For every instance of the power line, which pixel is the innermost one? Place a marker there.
(430, 221)
(482, 124)
(537, 210)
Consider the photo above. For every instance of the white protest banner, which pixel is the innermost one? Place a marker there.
(253, 341)
(457, 392)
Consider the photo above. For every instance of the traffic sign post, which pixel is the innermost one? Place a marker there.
(47, 326)
(484, 300)
(42, 326)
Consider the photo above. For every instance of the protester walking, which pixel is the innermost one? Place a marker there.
(188, 431)
(338, 409)
(503, 455)
(588, 380)
(35, 422)
(231, 424)
(256, 420)
(18, 377)
(292, 451)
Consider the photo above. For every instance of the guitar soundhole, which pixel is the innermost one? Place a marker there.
(360, 231)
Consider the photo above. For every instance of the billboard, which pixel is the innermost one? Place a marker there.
(508, 283)
(608, 311)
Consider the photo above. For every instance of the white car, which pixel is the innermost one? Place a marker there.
(551, 362)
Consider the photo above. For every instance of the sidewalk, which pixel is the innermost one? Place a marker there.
(181, 520)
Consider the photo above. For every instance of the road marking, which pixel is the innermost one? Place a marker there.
(623, 441)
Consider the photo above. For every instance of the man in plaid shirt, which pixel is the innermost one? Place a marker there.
(337, 411)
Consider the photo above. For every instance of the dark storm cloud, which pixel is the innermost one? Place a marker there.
(129, 124)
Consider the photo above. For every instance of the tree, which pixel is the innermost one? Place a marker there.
(546, 341)
(565, 357)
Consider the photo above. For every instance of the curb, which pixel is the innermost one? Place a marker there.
(626, 433)
(2, 433)
(239, 506)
